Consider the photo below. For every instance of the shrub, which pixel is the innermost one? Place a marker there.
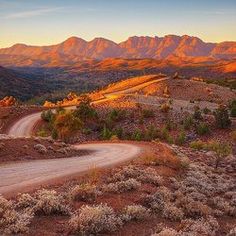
(135, 212)
(84, 110)
(197, 115)
(122, 186)
(147, 113)
(180, 140)
(47, 116)
(151, 133)
(194, 209)
(232, 232)
(25, 200)
(50, 203)
(165, 107)
(201, 226)
(66, 125)
(206, 110)
(11, 221)
(150, 177)
(106, 133)
(95, 220)
(233, 108)
(202, 128)
(188, 122)
(86, 192)
(172, 213)
(222, 119)
(197, 145)
(137, 135)
(233, 136)
(222, 150)
(116, 115)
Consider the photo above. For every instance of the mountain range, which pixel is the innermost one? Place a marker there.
(74, 50)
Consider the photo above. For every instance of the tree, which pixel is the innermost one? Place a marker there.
(222, 150)
(233, 108)
(85, 110)
(66, 124)
(222, 117)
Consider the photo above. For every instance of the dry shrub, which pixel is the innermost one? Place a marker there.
(156, 202)
(172, 213)
(11, 221)
(49, 202)
(122, 186)
(201, 226)
(135, 212)
(194, 209)
(143, 175)
(94, 175)
(150, 178)
(25, 200)
(94, 220)
(86, 192)
(232, 232)
(148, 159)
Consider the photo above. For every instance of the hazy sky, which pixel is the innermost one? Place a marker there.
(49, 21)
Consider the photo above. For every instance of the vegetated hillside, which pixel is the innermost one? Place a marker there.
(15, 84)
(74, 50)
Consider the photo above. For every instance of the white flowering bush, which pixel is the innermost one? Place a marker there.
(25, 200)
(194, 209)
(95, 220)
(147, 175)
(150, 178)
(172, 213)
(85, 192)
(135, 212)
(11, 221)
(201, 226)
(122, 186)
(49, 202)
(232, 232)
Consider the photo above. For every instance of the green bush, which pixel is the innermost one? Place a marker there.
(47, 115)
(147, 113)
(151, 133)
(198, 145)
(180, 140)
(106, 133)
(66, 124)
(84, 110)
(197, 115)
(202, 128)
(233, 108)
(137, 135)
(206, 111)
(188, 122)
(222, 119)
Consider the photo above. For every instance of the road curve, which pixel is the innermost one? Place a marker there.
(19, 176)
(25, 126)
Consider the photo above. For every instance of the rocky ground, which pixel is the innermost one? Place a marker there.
(167, 191)
(190, 90)
(22, 149)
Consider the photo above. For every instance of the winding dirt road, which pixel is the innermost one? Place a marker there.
(20, 176)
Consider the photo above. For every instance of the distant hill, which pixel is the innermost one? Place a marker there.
(14, 84)
(75, 50)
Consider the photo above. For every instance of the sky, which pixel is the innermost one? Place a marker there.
(47, 22)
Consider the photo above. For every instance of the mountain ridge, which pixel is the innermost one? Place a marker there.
(76, 49)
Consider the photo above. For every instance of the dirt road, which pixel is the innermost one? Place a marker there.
(20, 176)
